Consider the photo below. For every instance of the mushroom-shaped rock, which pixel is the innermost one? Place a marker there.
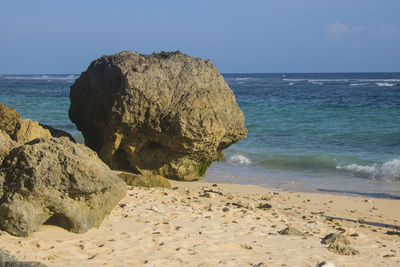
(56, 181)
(166, 113)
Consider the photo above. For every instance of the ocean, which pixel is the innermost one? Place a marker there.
(336, 132)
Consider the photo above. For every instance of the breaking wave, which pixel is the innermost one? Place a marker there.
(385, 84)
(238, 158)
(388, 170)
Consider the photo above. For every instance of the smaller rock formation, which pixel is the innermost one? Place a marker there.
(264, 206)
(56, 181)
(5, 257)
(291, 231)
(7, 260)
(338, 244)
(144, 180)
(19, 129)
(342, 249)
(25, 130)
(335, 238)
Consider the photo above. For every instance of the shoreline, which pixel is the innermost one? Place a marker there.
(320, 183)
(293, 188)
(203, 223)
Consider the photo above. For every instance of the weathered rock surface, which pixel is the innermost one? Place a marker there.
(57, 181)
(144, 180)
(19, 129)
(6, 144)
(167, 113)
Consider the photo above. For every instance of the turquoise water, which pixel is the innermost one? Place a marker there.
(44, 98)
(338, 132)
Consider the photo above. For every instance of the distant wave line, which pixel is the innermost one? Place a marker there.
(41, 77)
(341, 80)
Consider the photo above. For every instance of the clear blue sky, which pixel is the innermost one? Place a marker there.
(238, 36)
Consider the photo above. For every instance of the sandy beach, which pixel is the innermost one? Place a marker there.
(207, 224)
(200, 133)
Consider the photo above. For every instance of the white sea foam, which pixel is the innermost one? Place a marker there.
(41, 77)
(328, 80)
(317, 83)
(385, 84)
(358, 84)
(353, 81)
(238, 158)
(295, 80)
(388, 170)
(378, 80)
(316, 80)
(292, 83)
(243, 79)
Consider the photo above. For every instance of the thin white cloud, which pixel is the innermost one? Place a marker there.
(385, 28)
(358, 28)
(337, 28)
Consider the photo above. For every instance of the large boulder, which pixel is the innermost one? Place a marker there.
(56, 181)
(166, 114)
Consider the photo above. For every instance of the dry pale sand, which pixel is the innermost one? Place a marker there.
(185, 227)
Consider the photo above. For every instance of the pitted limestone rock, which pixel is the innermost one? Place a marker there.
(57, 181)
(166, 114)
(6, 144)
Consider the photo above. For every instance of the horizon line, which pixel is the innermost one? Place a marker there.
(345, 72)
